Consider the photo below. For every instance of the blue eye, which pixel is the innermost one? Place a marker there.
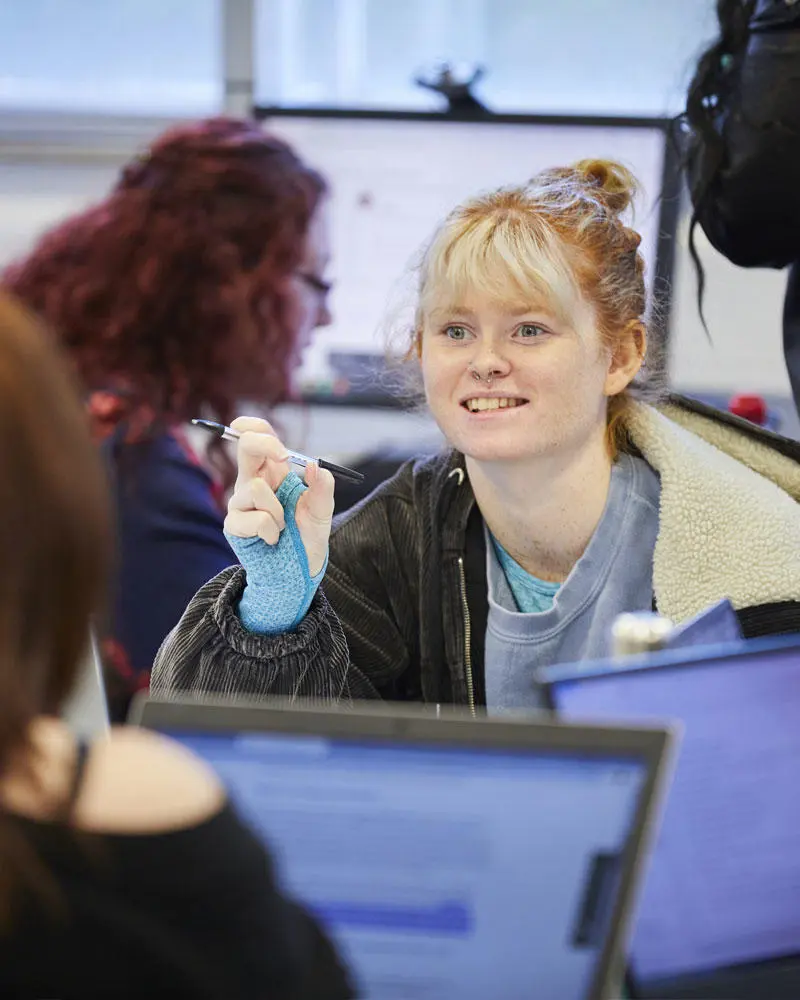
(456, 332)
(530, 331)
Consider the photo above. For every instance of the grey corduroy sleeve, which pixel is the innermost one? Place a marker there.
(209, 652)
(358, 639)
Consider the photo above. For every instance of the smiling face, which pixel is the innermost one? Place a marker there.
(529, 320)
(547, 391)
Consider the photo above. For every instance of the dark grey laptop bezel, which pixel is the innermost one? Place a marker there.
(431, 726)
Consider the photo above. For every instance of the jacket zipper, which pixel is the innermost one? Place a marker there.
(467, 638)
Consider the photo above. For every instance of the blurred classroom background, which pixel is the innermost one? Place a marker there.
(85, 84)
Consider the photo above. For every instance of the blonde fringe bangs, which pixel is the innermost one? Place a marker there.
(500, 257)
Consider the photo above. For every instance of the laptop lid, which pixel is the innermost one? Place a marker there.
(720, 911)
(447, 857)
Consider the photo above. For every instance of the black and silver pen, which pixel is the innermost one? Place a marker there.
(229, 434)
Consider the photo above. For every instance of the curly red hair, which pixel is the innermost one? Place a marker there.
(174, 287)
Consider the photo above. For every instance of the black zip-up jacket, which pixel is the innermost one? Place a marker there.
(404, 608)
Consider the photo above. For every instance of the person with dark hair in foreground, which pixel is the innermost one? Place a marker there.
(124, 872)
(741, 133)
(194, 285)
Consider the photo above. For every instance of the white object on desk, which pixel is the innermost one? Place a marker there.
(86, 710)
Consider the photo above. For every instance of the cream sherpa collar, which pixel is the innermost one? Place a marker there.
(729, 518)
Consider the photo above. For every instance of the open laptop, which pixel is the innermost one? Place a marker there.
(448, 857)
(720, 911)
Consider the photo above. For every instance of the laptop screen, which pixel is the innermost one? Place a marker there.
(442, 871)
(723, 885)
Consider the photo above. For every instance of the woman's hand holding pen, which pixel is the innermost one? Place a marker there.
(255, 511)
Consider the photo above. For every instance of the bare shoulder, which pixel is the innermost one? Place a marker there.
(139, 782)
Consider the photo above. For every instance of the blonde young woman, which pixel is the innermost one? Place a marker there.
(563, 501)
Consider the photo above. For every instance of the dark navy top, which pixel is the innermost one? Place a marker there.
(170, 542)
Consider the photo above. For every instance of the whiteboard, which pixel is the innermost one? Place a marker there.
(37, 195)
(393, 180)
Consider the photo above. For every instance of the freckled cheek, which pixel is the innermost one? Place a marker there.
(437, 392)
(567, 399)
(442, 395)
(544, 382)
(441, 377)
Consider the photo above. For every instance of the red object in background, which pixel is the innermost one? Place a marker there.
(751, 407)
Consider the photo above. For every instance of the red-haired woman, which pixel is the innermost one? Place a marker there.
(194, 285)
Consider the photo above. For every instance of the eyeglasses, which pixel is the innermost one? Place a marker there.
(322, 288)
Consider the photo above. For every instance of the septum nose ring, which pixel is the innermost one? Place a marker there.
(488, 378)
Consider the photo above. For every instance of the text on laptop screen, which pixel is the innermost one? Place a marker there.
(723, 884)
(442, 872)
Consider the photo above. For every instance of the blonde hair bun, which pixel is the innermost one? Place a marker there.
(612, 184)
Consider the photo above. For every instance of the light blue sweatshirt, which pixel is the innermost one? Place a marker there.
(573, 623)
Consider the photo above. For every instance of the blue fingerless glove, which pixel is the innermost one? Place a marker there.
(279, 587)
